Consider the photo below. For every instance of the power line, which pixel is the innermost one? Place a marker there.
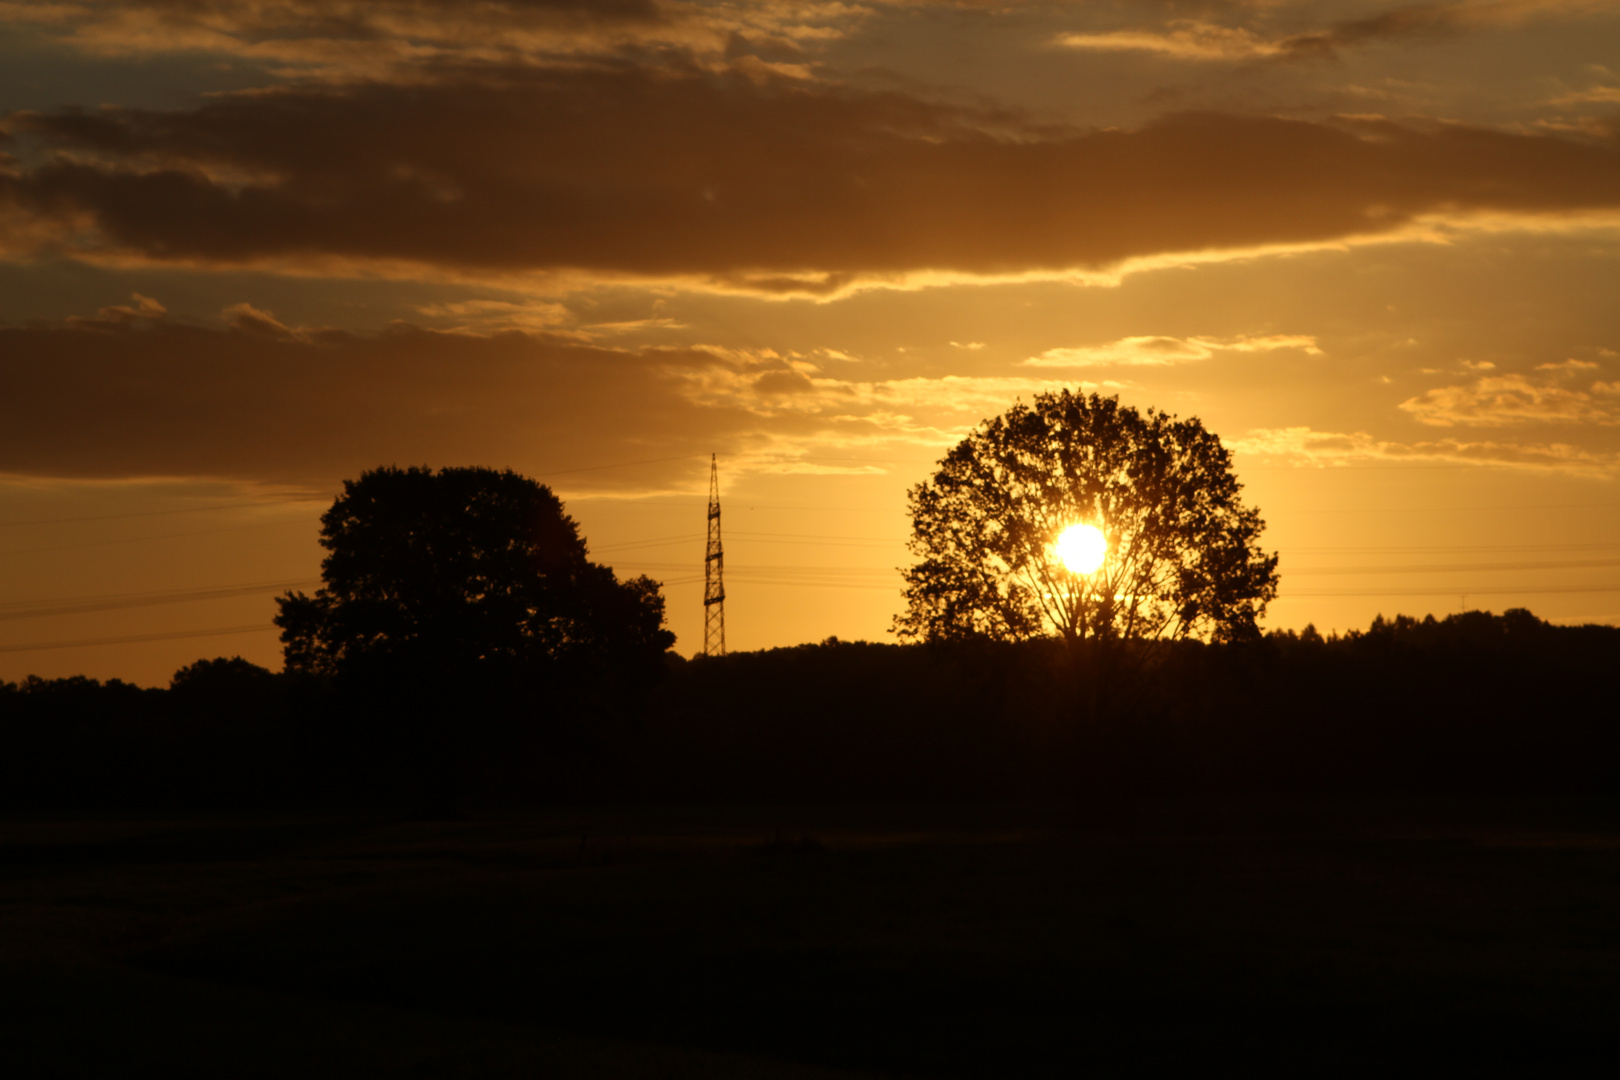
(687, 500)
(852, 578)
(895, 588)
(1455, 590)
(1455, 549)
(20, 609)
(1357, 468)
(143, 539)
(754, 579)
(659, 541)
(768, 580)
(1286, 595)
(823, 536)
(1451, 568)
(854, 460)
(85, 643)
(99, 598)
(1450, 509)
(801, 539)
(146, 513)
(261, 502)
(757, 568)
(817, 542)
(1438, 568)
(617, 465)
(893, 509)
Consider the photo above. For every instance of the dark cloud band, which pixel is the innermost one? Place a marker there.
(129, 396)
(635, 171)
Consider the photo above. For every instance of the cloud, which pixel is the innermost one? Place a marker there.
(1307, 448)
(406, 40)
(783, 382)
(142, 308)
(1509, 400)
(1184, 39)
(328, 38)
(1165, 351)
(1202, 40)
(254, 400)
(556, 320)
(248, 319)
(1416, 21)
(492, 316)
(346, 38)
(936, 408)
(1602, 95)
(774, 186)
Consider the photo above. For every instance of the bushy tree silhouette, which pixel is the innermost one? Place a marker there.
(473, 645)
(1183, 556)
(463, 568)
(233, 678)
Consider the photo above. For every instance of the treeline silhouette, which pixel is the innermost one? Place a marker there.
(1474, 702)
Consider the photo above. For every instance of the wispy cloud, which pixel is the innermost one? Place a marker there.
(1155, 351)
(1184, 39)
(1596, 95)
(1308, 448)
(135, 392)
(767, 383)
(349, 39)
(1513, 399)
(1201, 40)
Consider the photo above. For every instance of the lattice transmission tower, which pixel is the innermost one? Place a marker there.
(714, 586)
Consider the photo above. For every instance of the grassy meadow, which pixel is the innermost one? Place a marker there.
(980, 940)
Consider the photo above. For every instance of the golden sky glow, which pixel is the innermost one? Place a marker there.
(249, 248)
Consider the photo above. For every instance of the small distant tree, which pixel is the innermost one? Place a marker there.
(226, 676)
(461, 570)
(1183, 558)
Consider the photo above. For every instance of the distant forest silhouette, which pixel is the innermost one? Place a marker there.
(464, 651)
(1474, 702)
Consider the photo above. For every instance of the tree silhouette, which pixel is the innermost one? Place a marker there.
(233, 678)
(1183, 558)
(461, 569)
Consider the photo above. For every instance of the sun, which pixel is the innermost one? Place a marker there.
(1081, 548)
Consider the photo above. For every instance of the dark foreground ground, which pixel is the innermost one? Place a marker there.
(1310, 940)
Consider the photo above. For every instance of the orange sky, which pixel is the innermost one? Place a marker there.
(249, 248)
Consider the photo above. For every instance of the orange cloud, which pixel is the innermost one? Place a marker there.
(1308, 448)
(348, 37)
(1198, 39)
(771, 186)
(1183, 39)
(1507, 400)
(255, 400)
(1152, 351)
(405, 40)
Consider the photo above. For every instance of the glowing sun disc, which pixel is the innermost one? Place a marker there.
(1082, 548)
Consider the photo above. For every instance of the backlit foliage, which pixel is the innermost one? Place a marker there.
(1183, 553)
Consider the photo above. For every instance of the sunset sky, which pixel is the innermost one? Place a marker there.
(249, 248)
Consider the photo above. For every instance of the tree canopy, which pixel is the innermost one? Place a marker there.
(466, 566)
(1183, 558)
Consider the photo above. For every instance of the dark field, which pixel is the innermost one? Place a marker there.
(1311, 940)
